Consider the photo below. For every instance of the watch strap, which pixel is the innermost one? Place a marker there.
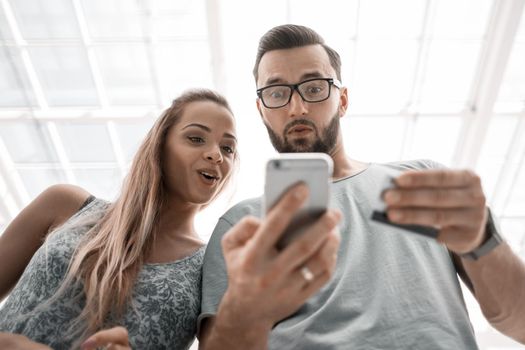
(492, 240)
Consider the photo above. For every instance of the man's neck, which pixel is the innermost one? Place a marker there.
(345, 166)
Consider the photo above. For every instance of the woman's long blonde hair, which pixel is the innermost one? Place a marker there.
(112, 253)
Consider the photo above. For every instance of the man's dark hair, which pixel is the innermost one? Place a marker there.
(288, 36)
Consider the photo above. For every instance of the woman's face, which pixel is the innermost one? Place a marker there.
(199, 152)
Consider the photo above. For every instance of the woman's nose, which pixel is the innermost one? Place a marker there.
(214, 156)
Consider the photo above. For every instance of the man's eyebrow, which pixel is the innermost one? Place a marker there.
(303, 77)
(205, 128)
(312, 75)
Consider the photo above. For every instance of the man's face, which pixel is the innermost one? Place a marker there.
(301, 126)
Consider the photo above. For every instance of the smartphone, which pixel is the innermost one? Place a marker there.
(313, 169)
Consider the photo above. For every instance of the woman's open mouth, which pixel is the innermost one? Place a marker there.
(209, 176)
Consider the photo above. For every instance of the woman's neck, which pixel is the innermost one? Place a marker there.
(176, 236)
(177, 219)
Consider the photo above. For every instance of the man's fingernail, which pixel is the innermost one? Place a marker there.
(395, 215)
(403, 180)
(392, 197)
(301, 192)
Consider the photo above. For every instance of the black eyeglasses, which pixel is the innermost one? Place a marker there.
(311, 90)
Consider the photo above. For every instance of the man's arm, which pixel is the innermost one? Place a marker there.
(453, 201)
(497, 280)
(266, 285)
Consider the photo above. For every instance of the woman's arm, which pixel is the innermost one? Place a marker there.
(27, 231)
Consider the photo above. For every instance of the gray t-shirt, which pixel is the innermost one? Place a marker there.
(163, 311)
(392, 289)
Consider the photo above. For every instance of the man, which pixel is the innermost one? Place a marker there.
(389, 289)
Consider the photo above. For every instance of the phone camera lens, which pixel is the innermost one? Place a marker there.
(277, 164)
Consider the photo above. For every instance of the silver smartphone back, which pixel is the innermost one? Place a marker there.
(315, 170)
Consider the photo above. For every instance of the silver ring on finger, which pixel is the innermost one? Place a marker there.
(307, 274)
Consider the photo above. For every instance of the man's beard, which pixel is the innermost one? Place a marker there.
(324, 143)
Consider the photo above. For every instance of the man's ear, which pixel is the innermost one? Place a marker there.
(259, 106)
(343, 101)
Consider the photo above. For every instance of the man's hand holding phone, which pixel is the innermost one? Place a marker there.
(266, 284)
(312, 169)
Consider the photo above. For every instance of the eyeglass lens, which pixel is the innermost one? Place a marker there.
(310, 91)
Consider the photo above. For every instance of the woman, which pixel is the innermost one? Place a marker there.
(133, 263)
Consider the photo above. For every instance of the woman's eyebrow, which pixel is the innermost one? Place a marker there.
(205, 128)
(230, 136)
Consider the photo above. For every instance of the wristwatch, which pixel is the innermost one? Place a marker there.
(492, 240)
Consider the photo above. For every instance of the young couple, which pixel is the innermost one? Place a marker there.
(128, 273)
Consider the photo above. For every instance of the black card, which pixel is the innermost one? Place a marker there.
(380, 216)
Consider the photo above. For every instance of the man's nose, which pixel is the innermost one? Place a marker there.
(297, 106)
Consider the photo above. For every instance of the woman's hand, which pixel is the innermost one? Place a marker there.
(115, 338)
(11, 341)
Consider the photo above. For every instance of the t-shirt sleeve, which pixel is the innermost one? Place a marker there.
(432, 164)
(214, 274)
(417, 164)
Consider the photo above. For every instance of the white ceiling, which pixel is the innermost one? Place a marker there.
(81, 81)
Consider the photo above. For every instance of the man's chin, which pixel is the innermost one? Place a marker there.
(299, 147)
